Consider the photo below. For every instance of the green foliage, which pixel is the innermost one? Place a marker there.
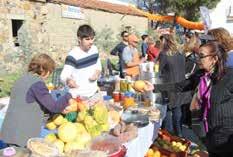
(104, 40)
(186, 8)
(6, 83)
(152, 33)
(190, 8)
(71, 117)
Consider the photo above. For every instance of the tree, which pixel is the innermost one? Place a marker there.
(189, 9)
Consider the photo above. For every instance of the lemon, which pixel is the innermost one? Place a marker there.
(67, 132)
(58, 119)
(150, 153)
(51, 125)
(50, 138)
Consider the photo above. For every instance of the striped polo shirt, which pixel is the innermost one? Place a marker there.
(80, 66)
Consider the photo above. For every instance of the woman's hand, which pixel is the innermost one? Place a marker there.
(72, 107)
(149, 87)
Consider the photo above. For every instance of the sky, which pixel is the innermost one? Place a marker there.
(129, 1)
(125, 1)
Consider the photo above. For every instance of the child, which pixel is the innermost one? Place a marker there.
(82, 65)
(30, 100)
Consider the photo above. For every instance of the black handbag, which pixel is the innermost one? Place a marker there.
(197, 123)
(196, 117)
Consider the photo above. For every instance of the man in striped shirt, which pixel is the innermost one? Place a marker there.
(82, 65)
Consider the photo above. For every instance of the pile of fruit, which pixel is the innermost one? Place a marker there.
(167, 145)
(76, 129)
(154, 153)
(173, 146)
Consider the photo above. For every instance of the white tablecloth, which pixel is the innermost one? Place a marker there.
(146, 135)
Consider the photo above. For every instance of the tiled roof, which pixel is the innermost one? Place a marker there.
(101, 5)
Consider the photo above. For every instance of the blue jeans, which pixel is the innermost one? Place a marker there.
(172, 121)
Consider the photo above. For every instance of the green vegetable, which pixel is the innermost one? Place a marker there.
(71, 117)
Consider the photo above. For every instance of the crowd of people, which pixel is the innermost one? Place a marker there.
(197, 81)
(197, 76)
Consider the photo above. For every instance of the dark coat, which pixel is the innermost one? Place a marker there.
(220, 118)
(172, 70)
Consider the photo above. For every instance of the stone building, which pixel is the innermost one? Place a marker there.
(49, 26)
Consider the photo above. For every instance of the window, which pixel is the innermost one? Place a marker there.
(16, 25)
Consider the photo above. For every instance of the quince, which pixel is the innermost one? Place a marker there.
(149, 153)
(58, 119)
(51, 125)
(157, 154)
(67, 132)
(50, 138)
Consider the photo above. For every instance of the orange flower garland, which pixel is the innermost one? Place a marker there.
(180, 20)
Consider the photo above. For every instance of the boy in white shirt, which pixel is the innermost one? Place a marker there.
(82, 65)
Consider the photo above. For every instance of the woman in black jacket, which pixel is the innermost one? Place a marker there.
(214, 96)
(172, 70)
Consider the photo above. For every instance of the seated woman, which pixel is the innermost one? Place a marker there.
(30, 101)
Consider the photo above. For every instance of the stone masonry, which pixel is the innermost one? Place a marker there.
(44, 30)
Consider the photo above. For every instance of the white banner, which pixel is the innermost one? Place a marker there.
(205, 15)
(72, 12)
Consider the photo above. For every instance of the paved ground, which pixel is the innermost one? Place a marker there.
(190, 135)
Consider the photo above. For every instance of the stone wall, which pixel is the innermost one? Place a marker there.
(44, 30)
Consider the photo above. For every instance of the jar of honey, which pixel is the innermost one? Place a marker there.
(123, 85)
(128, 100)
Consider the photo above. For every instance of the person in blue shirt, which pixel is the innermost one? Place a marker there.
(144, 45)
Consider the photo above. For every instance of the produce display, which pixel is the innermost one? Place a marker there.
(167, 145)
(76, 129)
(173, 146)
(82, 130)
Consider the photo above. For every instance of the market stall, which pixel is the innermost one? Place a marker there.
(124, 122)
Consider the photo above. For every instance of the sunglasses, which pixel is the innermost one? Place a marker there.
(202, 56)
(125, 35)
